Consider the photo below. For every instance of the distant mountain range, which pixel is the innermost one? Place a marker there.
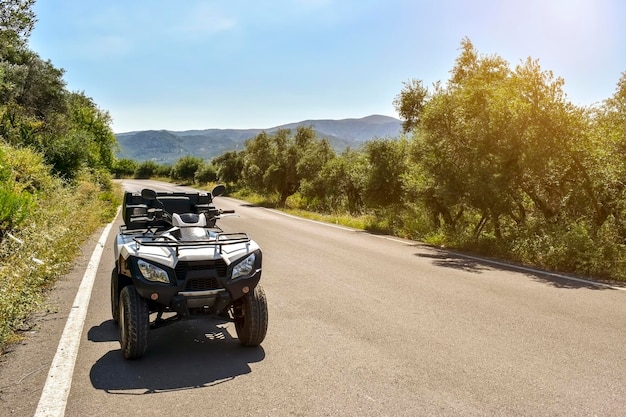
(166, 147)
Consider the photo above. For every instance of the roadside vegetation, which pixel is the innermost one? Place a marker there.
(56, 151)
(494, 161)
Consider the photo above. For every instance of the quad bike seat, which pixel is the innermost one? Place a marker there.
(135, 205)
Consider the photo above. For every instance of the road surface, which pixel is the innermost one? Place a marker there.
(359, 325)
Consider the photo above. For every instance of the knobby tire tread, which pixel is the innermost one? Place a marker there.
(136, 320)
(115, 296)
(252, 328)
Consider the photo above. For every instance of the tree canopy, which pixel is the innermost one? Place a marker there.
(495, 159)
(36, 109)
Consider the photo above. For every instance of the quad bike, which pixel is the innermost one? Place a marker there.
(173, 263)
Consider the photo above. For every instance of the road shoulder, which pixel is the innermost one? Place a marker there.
(24, 366)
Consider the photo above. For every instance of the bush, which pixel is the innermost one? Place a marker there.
(205, 174)
(14, 209)
(185, 169)
(146, 170)
(16, 201)
(123, 168)
(163, 171)
(28, 170)
(67, 154)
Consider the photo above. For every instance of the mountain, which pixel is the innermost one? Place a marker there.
(354, 130)
(166, 147)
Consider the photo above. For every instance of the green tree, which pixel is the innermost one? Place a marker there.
(229, 167)
(163, 170)
(124, 168)
(95, 124)
(494, 139)
(604, 163)
(37, 111)
(205, 173)
(17, 20)
(258, 157)
(146, 169)
(185, 168)
(354, 176)
(67, 155)
(387, 165)
(410, 102)
(281, 177)
(313, 155)
(279, 163)
(340, 183)
(42, 91)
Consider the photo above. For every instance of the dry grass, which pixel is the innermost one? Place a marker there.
(43, 247)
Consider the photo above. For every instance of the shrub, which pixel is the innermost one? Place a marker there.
(163, 171)
(185, 169)
(124, 168)
(67, 154)
(146, 170)
(14, 209)
(16, 203)
(206, 173)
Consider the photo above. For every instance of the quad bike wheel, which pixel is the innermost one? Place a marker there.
(115, 296)
(250, 314)
(133, 323)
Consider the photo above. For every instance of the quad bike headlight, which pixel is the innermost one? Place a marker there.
(244, 267)
(152, 272)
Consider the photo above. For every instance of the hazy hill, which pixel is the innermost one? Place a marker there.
(354, 130)
(165, 146)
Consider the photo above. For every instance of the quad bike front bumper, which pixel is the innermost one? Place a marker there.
(192, 288)
(199, 302)
(213, 302)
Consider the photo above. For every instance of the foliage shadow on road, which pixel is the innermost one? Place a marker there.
(449, 260)
(186, 355)
(446, 259)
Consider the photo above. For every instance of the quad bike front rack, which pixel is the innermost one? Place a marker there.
(218, 241)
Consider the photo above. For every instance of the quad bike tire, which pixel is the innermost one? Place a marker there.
(115, 296)
(250, 316)
(117, 283)
(133, 323)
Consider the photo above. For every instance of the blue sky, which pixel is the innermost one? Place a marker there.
(199, 64)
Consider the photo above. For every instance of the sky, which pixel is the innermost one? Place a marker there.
(200, 64)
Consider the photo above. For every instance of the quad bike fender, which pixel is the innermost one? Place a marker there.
(239, 287)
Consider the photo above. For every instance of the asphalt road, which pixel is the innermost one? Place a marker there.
(359, 325)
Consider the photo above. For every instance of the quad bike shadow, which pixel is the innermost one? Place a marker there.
(206, 355)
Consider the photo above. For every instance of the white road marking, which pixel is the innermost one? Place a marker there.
(310, 220)
(55, 392)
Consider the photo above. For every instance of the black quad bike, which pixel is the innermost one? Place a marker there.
(173, 263)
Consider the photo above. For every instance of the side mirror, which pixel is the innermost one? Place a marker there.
(218, 190)
(148, 194)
